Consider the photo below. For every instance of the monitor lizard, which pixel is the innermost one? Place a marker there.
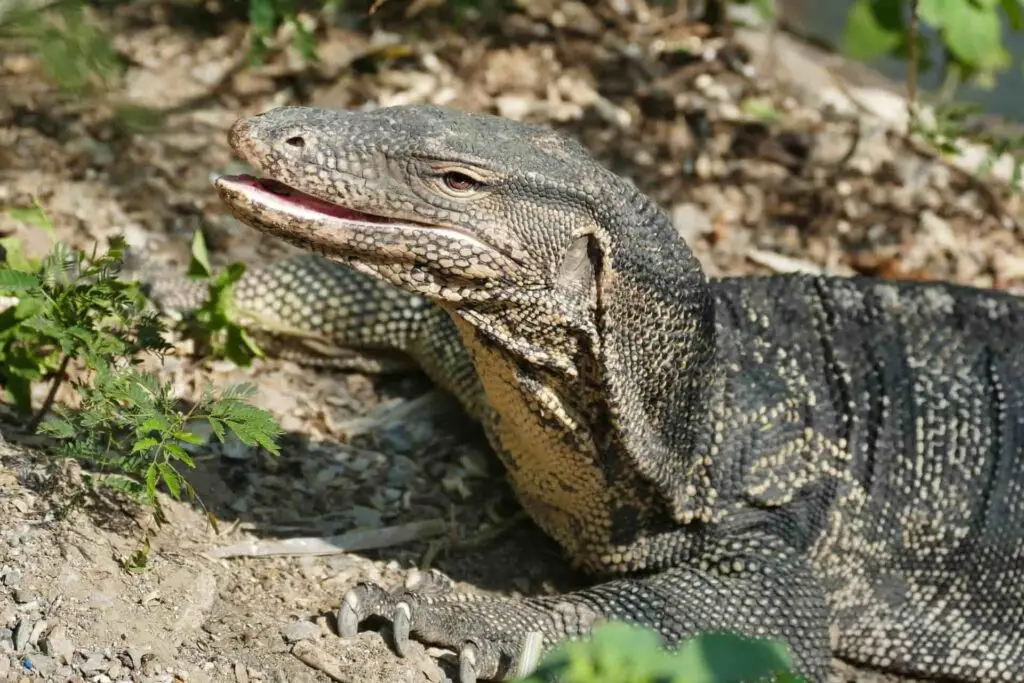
(834, 462)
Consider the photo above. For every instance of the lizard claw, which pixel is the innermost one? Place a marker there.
(400, 626)
(467, 663)
(482, 659)
(362, 601)
(427, 609)
(348, 615)
(530, 650)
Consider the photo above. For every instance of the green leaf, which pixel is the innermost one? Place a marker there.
(766, 8)
(176, 451)
(143, 445)
(189, 437)
(33, 215)
(219, 429)
(933, 12)
(171, 478)
(81, 334)
(726, 657)
(57, 428)
(199, 265)
(17, 280)
(760, 108)
(157, 423)
(187, 460)
(19, 392)
(874, 28)
(263, 18)
(1014, 10)
(151, 476)
(14, 253)
(239, 391)
(622, 652)
(974, 36)
(302, 40)
(240, 348)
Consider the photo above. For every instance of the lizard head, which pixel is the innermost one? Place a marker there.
(458, 207)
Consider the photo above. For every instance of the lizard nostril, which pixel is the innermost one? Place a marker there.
(298, 142)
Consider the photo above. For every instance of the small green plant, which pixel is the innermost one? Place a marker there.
(64, 307)
(970, 32)
(71, 311)
(215, 326)
(622, 653)
(129, 424)
(971, 36)
(76, 52)
(266, 16)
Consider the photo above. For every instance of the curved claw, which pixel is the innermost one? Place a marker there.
(468, 663)
(348, 614)
(449, 621)
(529, 653)
(400, 625)
(362, 601)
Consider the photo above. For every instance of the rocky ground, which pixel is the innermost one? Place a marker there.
(770, 156)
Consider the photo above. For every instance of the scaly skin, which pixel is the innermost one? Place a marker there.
(785, 457)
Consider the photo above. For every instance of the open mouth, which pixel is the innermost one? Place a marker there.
(287, 212)
(282, 197)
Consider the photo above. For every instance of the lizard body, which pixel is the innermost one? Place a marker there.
(786, 456)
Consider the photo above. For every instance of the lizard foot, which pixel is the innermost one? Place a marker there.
(492, 636)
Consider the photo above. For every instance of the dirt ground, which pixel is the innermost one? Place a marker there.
(770, 156)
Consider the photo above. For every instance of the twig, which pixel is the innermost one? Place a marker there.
(50, 396)
(317, 658)
(359, 539)
(912, 109)
(472, 541)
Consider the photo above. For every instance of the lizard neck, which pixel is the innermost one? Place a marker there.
(602, 432)
(656, 326)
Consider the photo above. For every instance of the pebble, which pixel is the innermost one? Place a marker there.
(5, 667)
(12, 578)
(6, 640)
(150, 667)
(21, 633)
(396, 439)
(135, 656)
(43, 665)
(363, 516)
(115, 669)
(24, 595)
(690, 222)
(94, 664)
(295, 631)
(37, 630)
(403, 472)
(57, 645)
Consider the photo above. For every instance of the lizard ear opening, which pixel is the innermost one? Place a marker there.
(576, 274)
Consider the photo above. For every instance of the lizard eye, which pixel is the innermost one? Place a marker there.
(460, 182)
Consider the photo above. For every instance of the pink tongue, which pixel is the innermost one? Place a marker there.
(299, 198)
